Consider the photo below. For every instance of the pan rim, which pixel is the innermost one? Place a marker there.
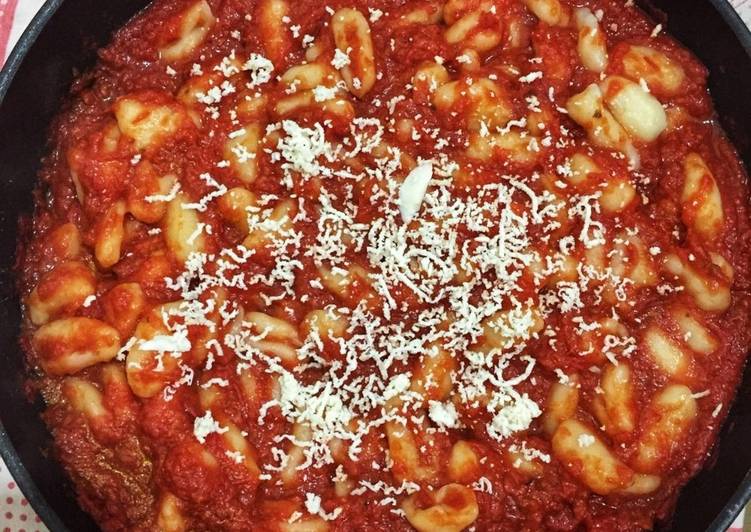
(24, 44)
(8, 452)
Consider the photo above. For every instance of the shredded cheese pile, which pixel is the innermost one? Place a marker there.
(451, 272)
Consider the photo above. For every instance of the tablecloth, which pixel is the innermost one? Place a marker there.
(15, 513)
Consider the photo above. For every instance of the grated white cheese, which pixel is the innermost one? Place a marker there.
(175, 343)
(205, 425)
(341, 59)
(260, 69)
(444, 414)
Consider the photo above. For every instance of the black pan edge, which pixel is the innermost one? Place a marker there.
(733, 19)
(27, 40)
(12, 458)
(8, 453)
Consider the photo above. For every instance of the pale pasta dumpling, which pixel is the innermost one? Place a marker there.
(701, 199)
(194, 26)
(147, 122)
(654, 67)
(640, 113)
(591, 46)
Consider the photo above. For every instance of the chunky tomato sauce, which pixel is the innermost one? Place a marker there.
(187, 417)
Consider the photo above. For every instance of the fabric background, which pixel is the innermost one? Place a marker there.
(15, 513)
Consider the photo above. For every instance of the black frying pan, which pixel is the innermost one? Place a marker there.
(62, 40)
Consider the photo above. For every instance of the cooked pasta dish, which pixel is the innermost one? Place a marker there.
(387, 265)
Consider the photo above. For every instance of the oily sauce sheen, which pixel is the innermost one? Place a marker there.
(387, 265)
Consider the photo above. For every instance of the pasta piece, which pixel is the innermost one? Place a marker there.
(464, 464)
(669, 357)
(669, 418)
(694, 333)
(305, 524)
(470, 60)
(617, 195)
(352, 37)
(725, 268)
(507, 327)
(431, 376)
(61, 291)
(469, 30)
(518, 33)
(182, 231)
(454, 507)
(563, 400)
(290, 474)
(335, 107)
(110, 231)
(309, 76)
(196, 89)
(326, 324)
(551, 12)
(107, 407)
(700, 199)
(289, 515)
(484, 103)
(64, 242)
(68, 345)
(582, 167)
(278, 338)
(427, 80)
(277, 224)
(195, 25)
(642, 484)
(235, 206)
(252, 107)
(453, 10)
(237, 447)
(404, 451)
(86, 398)
(275, 34)
(149, 368)
(150, 118)
(529, 466)
(640, 113)
(117, 394)
(170, 517)
(98, 162)
(351, 285)
(709, 292)
(631, 260)
(257, 388)
(589, 459)
(242, 150)
(513, 146)
(596, 346)
(617, 384)
(123, 306)
(153, 269)
(146, 185)
(588, 110)
(592, 48)
(659, 72)
(430, 12)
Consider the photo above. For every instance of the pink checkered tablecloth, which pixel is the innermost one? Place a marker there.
(15, 513)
